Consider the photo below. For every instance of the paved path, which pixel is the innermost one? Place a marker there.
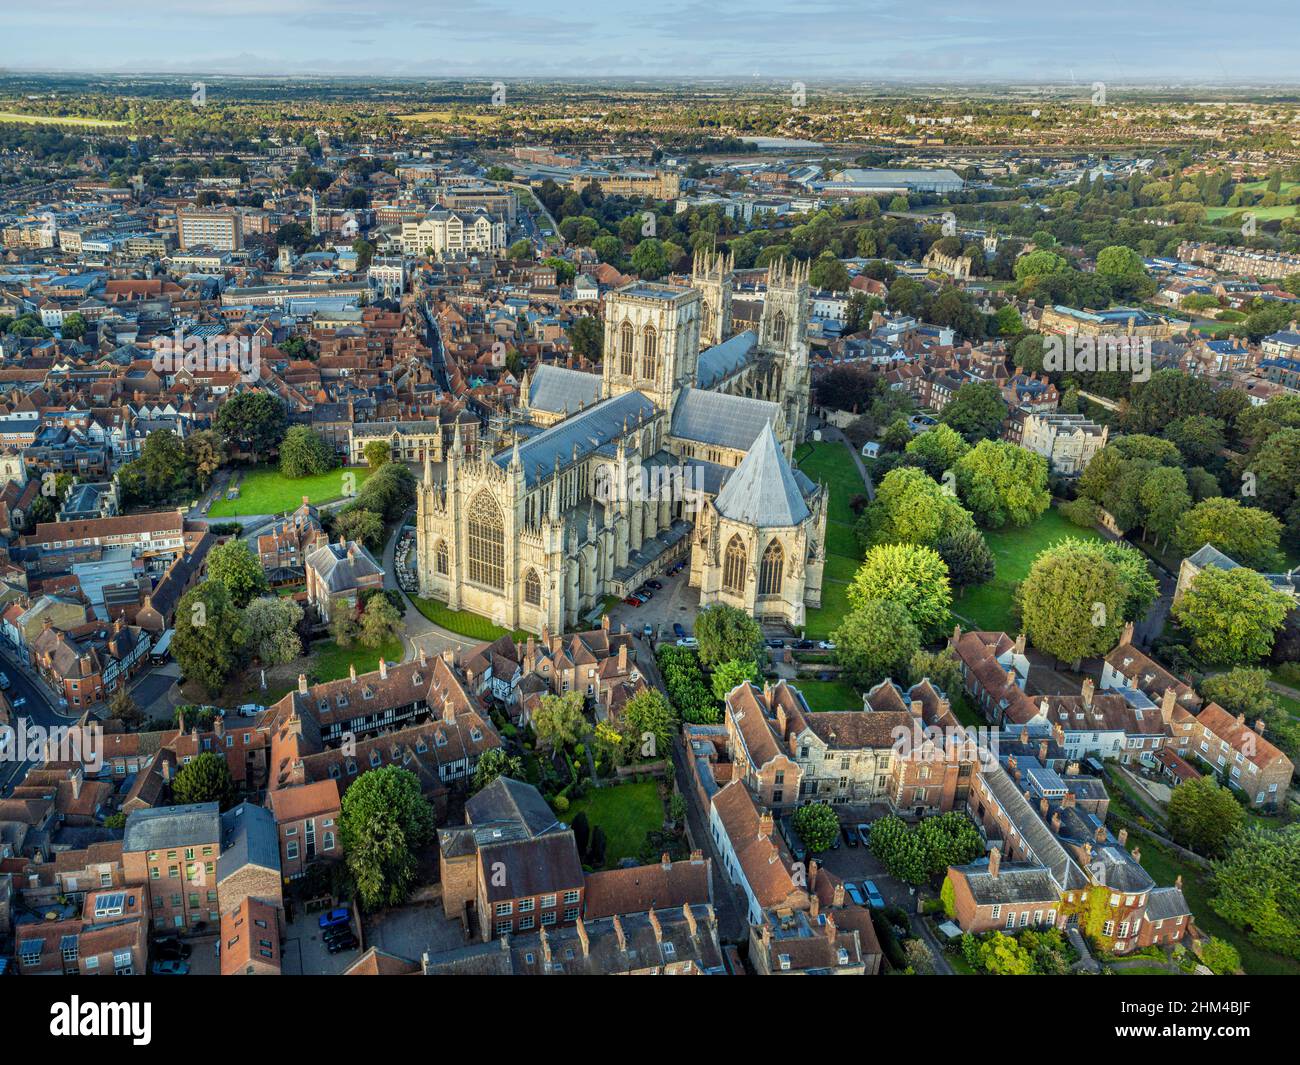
(830, 432)
(919, 924)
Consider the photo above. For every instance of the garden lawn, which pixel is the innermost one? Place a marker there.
(625, 812)
(830, 463)
(462, 622)
(988, 606)
(332, 662)
(822, 695)
(265, 490)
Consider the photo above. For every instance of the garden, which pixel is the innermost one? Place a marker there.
(265, 490)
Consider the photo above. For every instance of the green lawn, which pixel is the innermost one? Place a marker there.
(988, 606)
(462, 622)
(1164, 866)
(829, 463)
(625, 812)
(332, 662)
(1262, 214)
(265, 490)
(822, 695)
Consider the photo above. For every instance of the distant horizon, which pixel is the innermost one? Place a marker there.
(1010, 42)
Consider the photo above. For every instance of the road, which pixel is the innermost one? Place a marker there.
(37, 709)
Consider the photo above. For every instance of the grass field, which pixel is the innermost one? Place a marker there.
(265, 490)
(1262, 214)
(625, 812)
(462, 622)
(823, 695)
(830, 463)
(332, 662)
(988, 606)
(57, 120)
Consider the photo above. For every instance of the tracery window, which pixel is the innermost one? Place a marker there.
(771, 570)
(487, 543)
(733, 569)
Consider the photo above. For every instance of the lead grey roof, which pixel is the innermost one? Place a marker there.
(1209, 555)
(172, 826)
(342, 566)
(763, 491)
(1046, 848)
(722, 360)
(722, 419)
(509, 800)
(1016, 882)
(1164, 903)
(590, 430)
(562, 391)
(249, 836)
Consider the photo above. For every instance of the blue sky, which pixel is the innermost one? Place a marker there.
(1041, 41)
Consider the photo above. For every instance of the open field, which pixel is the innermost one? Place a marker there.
(265, 490)
(827, 462)
(1262, 214)
(58, 120)
(625, 812)
(988, 606)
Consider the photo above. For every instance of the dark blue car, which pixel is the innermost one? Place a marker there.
(678, 631)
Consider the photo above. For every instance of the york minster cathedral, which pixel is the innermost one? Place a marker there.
(671, 452)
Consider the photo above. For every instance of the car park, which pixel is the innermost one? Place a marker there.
(850, 836)
(874, 898)
(171, 948)
(826, 645)
(169, 967)
(338, 946)
(632, 600)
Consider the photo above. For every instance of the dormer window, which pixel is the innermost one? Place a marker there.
(367, 693)
(440, 738)
(334, 772)
(341, 699)
(352, 768)
(475, 734)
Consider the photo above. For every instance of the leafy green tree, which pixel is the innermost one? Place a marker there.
(204, 778)
(493, 763)
(911, 508)
(726, 675)
(977, 411)
(911, 575)
(727, 634)
(1204, 816)
(586, 337)
(939, 448)
(1001, 483)
(74, 326)
(272, 625)
(1003, 955)
(361, 525)
(384, 821)
(205, 453)
(380, 622)
(649, 715)
(1123, 267)
(1240, 691)
(209, 638)
(941, 668)
(968, 558)
(304, 452)
(559, 721)
(817, 825)
(121, 707)
(1231, 615)
(649, 259)
(1257, 888)
(1071, 603)
(1038, 263)
(1245, 534)
(234, 565)
(1220, 956)
(389, 491)
(828, 273)
(875, 641)
(377, 453)
(252, 422)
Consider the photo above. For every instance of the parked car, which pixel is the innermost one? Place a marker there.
(339, 931)
(804, 645)
(779, 644)
(864, 834)
(341, 916)
(172, 948)
(688, 641)
(644, 593)
(648, 631)
(678, 630)
(338, 946)
(656, 585)
(826, 645)
(850, 837)
(169, 967)
(632, 600)
(874, 898)
(851, 890)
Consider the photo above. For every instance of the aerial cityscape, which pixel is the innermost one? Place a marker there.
(627, 513)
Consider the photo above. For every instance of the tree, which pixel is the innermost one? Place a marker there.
(727, 634)
(1204, 816)
(384, 821)
(1001, 482)
(161, 464)
(1241, 691)
(911, 575)
(828, 273)
(344, 624)
(272, 626)
(941, 668)
(121, 707)
(650, 724)
(968, 558)
(254, 422)
(1003, 955)
(818, 826)
(1245, 534)
(1038, 263)
(587, 338)
(920, 853)
(911, 508)
(364, 526)
(73, 327)
(875, 641)
(377, 453)
(389, 491)
(380, 622)
(1220, 956)
(209, 635)
(649, 259)
(726, 675)
(204, 778)
(1255, 888)
(1124, 269)
(559, 720)
(494, 763)
(1231, 615)
(1071, 603)
(939, 449)
(205, 453)
(976, 411)
(304, 452)
(234, 565)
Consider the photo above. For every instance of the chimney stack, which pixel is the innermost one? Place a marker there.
(581, 929)
(1100, 834)
(765, 826)
(995, 862)
(1137, 854)
(302, 683)
(383, 669)
(618, 933)
(352, 671)
(1088, 688)
(689, 915)
(656, 926)
(1044, 806)
(1067, 803)
(1056, 824)
(1122, 836)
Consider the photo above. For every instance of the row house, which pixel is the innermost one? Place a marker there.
(111, 938)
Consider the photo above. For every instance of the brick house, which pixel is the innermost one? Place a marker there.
(306, 820)
(174, 850)
(250, 939)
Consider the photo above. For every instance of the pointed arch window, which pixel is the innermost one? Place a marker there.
(486, 536)
(771, 570)
(779, 328)
(440, 556)
(649, 349)
(733, 568)
(532, 589)
(626, 342)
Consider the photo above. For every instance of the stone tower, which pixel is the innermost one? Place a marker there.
(711, 277)
(652, 341)
(783, 340)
